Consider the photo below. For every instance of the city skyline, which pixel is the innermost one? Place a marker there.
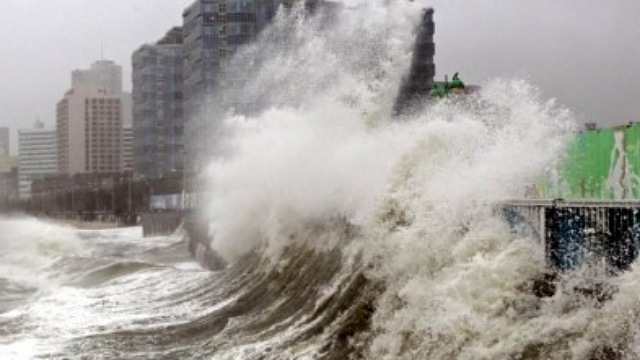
(510, 39)
(99, 31)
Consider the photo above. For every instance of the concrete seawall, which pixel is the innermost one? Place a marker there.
(160, 223)
(199, 240)
(196, 232)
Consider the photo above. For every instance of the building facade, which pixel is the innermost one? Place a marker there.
(104, 74)
(158, 115)
(38, 156)
(127, 149)
(4, 142)
(89, 131)
(9, 189)
(213, 30)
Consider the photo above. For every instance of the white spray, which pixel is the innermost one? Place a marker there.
(417, 188)
(29, 245)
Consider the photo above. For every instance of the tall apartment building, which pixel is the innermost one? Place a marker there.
(8, 174)
(127, 149)
(89, 131)
(103, 74)
(9, 189)
(158, 116)
(213, 30)
(37, 154)
(4, 141)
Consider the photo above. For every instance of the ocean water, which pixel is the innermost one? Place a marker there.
(350, 233)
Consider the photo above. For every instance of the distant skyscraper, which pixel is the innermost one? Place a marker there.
(158, 119)
(38, 156)
(89, 130)
(103, 74)
(4, 141)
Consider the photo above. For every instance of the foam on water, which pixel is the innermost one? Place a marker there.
(89, 284)
(28, 246)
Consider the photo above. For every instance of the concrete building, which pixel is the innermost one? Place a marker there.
(89, 131)
(4, 142)
(38, 156)
(8, 174)
(7, 163)
(103, 74)
(127, 149)
(158, 115)
(213, 30)
(9, 189)
(127, 131)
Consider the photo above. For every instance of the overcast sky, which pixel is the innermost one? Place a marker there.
(583, 52)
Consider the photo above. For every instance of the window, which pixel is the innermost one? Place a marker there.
(210, 41)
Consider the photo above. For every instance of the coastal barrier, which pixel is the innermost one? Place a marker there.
(575, 233)
(199, 240)
(160, 223)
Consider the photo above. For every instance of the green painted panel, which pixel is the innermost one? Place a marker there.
(632, 147)
(586, 167)
(602, 164)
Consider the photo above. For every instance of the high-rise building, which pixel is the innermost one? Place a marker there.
(89, 131)
(158, 119)
(104, 74)
(4, 141)
(8, 174)
(38, 156)
(9, 189)
(127, 149)
(213, 30)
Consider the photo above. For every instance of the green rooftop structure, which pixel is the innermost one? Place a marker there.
(442, 89)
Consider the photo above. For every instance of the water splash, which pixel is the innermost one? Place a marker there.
(29, 245)
(326, 145)
(416, 191)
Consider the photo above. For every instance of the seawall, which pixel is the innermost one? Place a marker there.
(199, 240)
(160, 223)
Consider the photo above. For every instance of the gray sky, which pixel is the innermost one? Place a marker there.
(586, 53)
(583, 52)
(44, 40)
